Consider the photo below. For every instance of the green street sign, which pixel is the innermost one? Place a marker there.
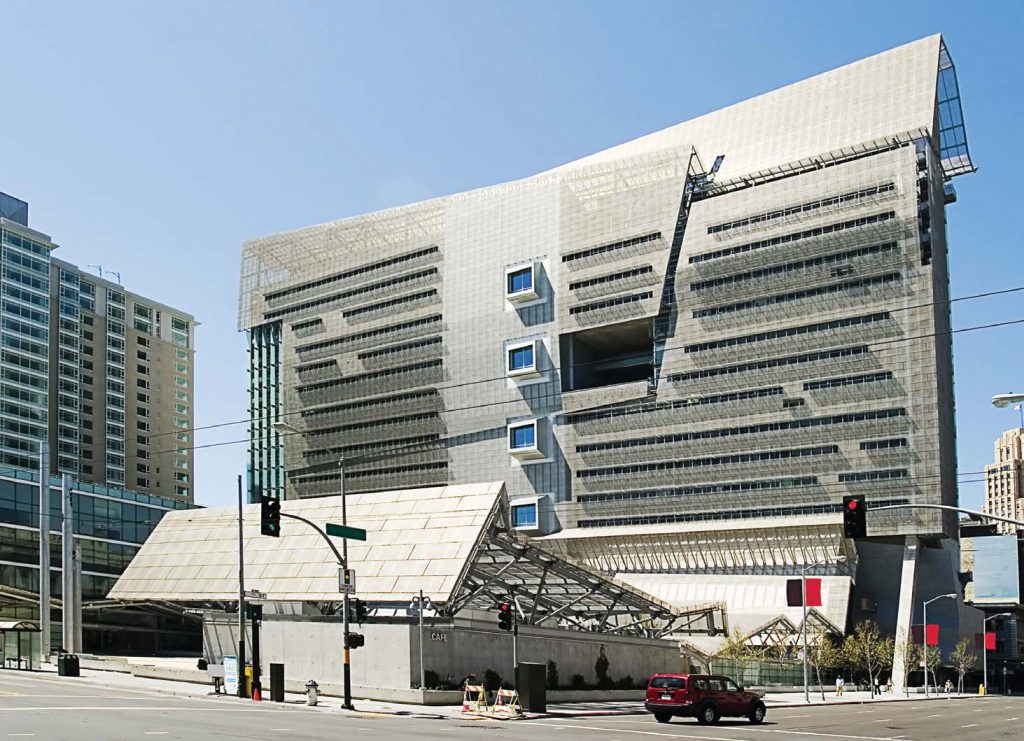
(344, 531)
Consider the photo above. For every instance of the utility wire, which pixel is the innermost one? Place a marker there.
(586, 363)
(556, 394)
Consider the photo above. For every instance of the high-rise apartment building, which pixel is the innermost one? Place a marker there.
(1004, 480)
(103, 374)
(106, 377)
(679, 353)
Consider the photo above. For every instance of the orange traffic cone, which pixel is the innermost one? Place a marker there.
(255, 694)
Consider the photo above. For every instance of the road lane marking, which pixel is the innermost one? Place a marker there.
(882, 720)
(718, 738)
(1010, 719)
(969, 725)
(164, 708)
(788, 717)
(156, 733)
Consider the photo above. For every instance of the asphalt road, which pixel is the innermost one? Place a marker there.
(33, 706)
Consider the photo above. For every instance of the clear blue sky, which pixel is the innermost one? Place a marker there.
(153, 138)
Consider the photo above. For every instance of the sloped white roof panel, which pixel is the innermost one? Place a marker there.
(416, 539)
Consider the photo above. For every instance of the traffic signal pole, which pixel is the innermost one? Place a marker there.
(347, 666)
(241, 597)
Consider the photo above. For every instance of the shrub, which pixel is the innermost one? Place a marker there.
(552, 675)
(578, 682)
(431, 679)
(601, 670)
(625, 683)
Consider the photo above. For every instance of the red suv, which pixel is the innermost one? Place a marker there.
(702, 696)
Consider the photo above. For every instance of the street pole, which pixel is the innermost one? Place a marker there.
(984, 659)
(924, 648)
(803, 599)
(67, 564)
(241, 597)
(347, 667)
(44, 551)
(423, 671)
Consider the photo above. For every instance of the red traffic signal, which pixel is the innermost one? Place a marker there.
(855, 516)
(505, 616)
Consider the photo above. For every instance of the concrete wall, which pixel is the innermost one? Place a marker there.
(310, 648)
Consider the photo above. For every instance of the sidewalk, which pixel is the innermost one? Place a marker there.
(170, 688)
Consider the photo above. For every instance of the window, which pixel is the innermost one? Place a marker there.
(523, 440)
(524, 515)
(520, 284)
(521, 359)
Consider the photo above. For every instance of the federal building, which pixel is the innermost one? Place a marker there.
(678, 353)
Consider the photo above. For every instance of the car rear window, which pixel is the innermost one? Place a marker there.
(675, 683)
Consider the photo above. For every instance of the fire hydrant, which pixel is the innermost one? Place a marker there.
(311, 692)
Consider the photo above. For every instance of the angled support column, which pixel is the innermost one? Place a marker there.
(905, 613)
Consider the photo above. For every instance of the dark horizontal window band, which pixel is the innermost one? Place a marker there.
(371, 424)
(341, 296)
(307, 324)
(395, 446)
(895, 442)
(794, 237)
(373, 403)
(756, 429)
(370, 376)
(853, 321)
(403, 347)
(320, 365)
(716, 460)
(700, 489)
(369, 334)
(829, 383)
(756, 365)
(392, 302)
(784, 298)
(741, 514)
(789, 267)
(667, 406)
(602, 279)
(611, 247)
(608, 303)
(804, 208)
(324, 478)
(362, 270)
(862, 476)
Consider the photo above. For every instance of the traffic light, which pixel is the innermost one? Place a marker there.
(355, 640)
(357, 610)
(855, 516)
(505, 616)
(270, 516)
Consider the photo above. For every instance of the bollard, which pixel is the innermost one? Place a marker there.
(277, 682)
(311, 692)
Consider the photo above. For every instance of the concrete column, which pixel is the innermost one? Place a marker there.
(44, 551)
(905, 613)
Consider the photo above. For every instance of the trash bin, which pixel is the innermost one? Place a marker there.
(68, 666)
(277, 682)
(531, 683)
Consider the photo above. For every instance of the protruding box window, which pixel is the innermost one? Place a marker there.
(521, 360)
(524, 516)
(523, 440)
(521, 283)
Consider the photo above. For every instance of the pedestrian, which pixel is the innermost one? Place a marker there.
(878, 686)
(888, 685)
(839, 685)
(949, 687)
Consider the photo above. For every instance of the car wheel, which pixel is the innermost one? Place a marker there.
(756, 713)
(708, 715)
(662, 717)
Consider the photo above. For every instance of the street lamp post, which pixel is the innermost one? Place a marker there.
(346, 665)
(803, 600)
(924, 638)
(1002, 401)
(984, 649)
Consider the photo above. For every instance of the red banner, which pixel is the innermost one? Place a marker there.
(990, 641)
(813, 588)
(932, 634)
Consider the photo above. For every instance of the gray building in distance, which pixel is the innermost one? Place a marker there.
(678, 353)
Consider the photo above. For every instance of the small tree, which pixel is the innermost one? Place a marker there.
(910, 653)
(932, 662)
(823, 653)
(734, 647)
(963, 659)
(552, 675)
(601, 670)
(865, 649)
